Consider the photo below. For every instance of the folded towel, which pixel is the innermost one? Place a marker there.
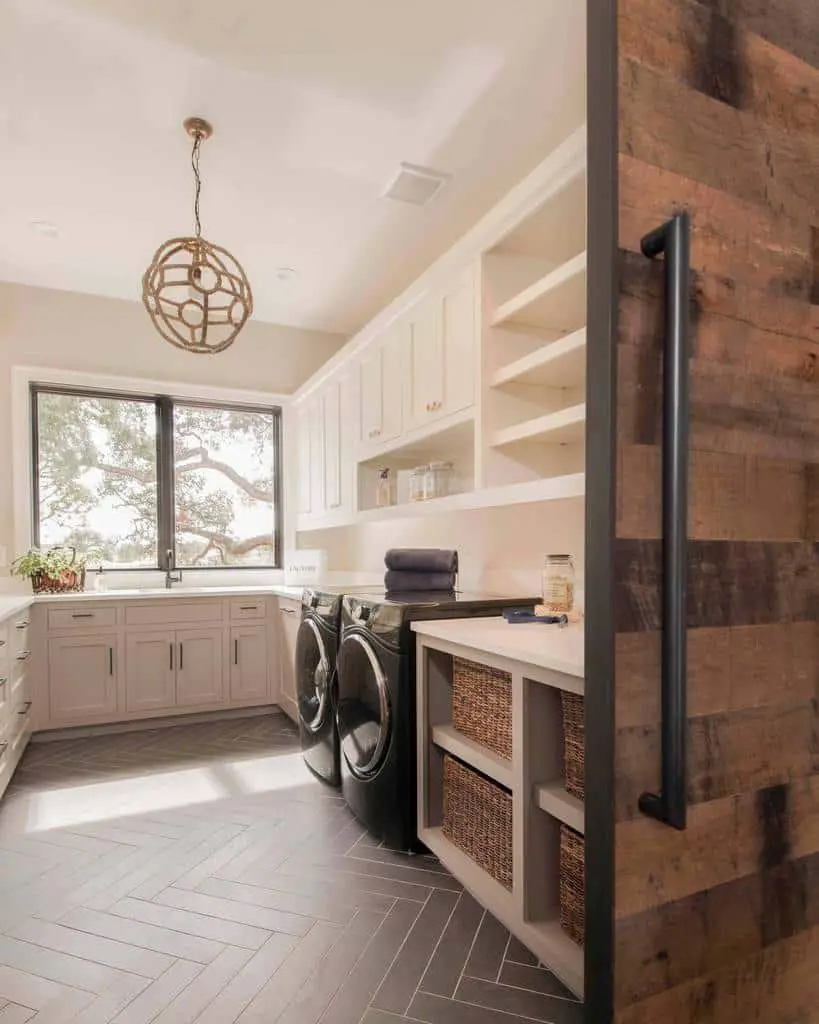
(410, 582)
(421, 560)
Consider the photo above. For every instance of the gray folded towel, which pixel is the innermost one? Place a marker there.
(398, 582)
(421, 560)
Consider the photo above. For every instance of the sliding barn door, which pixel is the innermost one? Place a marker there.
(715, 908)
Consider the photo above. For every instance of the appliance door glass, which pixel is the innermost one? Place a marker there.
(363, 706)
(312, 676)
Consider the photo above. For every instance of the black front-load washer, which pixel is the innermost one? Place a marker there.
(375, 701)
(316, 649)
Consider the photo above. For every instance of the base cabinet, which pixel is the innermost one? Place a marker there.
(150, 672)
(290, 619)
(199, 675)
(88, 670)
(248, 664)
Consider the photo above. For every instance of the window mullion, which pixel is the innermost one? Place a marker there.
(165, 489)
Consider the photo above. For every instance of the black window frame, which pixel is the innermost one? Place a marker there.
(165, 512)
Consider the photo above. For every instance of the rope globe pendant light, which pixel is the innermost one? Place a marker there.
(196, 293)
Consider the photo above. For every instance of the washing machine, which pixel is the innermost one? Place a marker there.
(316, 650)
(375, 702)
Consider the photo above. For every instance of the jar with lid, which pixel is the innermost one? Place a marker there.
(438, 479)
(418, 484)
(558, 581)
(383, 489)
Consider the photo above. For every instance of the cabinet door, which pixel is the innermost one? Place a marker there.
(316, 424)
(82, 680)
(426, 363)
(290, 618)
(199, 674)
(392, 376)
(150, 676)
(459, 344)
(248, 664)
(331, 424)
(371, 394)
(304, 450)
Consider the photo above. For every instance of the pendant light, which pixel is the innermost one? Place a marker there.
(196, 293)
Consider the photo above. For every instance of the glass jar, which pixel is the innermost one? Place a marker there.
(383, 489)
(418, 484)
(438, 479)
(558, 584)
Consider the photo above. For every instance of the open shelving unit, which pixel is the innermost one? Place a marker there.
(555, 364)
(533, 777)
(553, 302)
(567, 426)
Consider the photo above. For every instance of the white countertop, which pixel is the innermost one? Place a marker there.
(11, 604)
(532, 643)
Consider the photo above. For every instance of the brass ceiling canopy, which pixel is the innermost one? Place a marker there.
(196, 293)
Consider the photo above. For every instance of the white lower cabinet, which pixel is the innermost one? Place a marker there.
(290, 619)
(248, 664)
(199, 675)
(87, 667)
(150, 671)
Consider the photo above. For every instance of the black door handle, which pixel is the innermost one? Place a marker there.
(673, 239)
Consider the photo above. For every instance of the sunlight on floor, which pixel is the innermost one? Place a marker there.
(265, 774)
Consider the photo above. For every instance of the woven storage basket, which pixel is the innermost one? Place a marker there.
(478, 819)
(574, 744)
(572, 884)
(482, 705)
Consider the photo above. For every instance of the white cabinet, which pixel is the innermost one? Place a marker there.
(331, 447)
(199, 675)
(381, 399)
(248, 664)
(290, 619)
(442, 342)
(304, 456)
(150, 671)
(173, 669)
(87, 667)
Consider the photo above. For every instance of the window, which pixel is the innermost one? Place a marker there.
(132, 476)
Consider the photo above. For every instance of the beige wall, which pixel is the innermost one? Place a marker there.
(501, 550)
(72, 331)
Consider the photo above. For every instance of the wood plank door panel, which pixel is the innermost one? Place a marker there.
(150, 671)
(249, 664)
(83, 680)
(718, 114)
(199, 668)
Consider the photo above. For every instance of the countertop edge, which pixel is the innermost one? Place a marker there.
(270, 590)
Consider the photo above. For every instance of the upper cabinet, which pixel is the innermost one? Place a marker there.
(442, 347)
(381, 369)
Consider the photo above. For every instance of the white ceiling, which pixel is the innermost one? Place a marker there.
(314, 102)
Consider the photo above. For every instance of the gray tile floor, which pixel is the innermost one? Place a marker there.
(200, 873)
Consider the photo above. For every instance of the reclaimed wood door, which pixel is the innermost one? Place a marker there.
(715, 112)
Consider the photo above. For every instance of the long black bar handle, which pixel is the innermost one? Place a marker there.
(673, 239)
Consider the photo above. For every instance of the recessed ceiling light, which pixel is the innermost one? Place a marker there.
(415, 185)
(44, 228)
(285, 274)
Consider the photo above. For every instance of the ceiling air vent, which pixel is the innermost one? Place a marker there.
(415, 185)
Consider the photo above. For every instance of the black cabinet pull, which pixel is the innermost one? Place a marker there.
(673, 239)
(236, 652)
(82, 615)
(181, 657)
(110, 661)
(171, 662)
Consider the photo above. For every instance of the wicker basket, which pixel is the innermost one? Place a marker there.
(572, 884)
(70, 580)
(482, 705)
(574, 744)
(478, 819)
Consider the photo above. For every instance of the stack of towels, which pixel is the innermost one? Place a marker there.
(427, 570)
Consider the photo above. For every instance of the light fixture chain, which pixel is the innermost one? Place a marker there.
(197, 143)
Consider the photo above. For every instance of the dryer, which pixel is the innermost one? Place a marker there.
(316, 650)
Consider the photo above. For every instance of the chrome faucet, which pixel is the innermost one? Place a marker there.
(171, 577)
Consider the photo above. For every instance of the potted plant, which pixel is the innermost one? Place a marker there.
(55, 571)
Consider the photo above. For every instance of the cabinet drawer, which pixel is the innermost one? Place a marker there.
(248, 608)
(166, 612)
(82, 616)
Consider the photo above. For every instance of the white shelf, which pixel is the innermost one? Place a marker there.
(558, 364)
(474, 754)
(553, 798)
(557, 301)
(566, 426)
(546, 939)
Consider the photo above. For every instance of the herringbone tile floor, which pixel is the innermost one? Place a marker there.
(200, 873)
